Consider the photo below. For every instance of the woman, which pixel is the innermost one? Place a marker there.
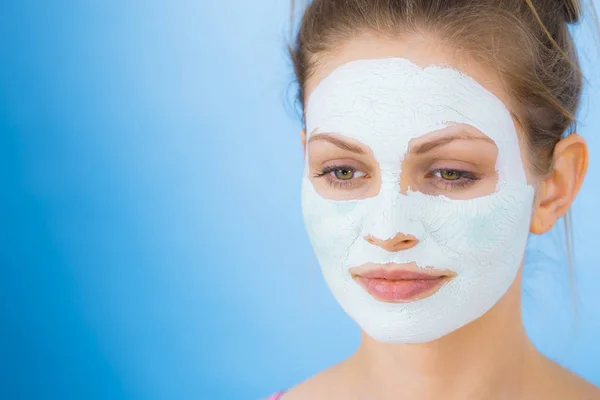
(434, 144)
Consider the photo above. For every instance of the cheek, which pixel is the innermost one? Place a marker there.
(331, 227)
(485, 230)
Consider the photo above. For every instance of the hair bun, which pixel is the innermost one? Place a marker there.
(571, 10)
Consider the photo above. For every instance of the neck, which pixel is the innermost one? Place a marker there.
(487, 358)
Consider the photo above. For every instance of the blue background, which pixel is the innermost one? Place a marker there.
(151, 238)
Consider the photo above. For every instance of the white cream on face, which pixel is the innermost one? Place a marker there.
(385, 103)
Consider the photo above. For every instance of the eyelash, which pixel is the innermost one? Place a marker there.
(464, 180)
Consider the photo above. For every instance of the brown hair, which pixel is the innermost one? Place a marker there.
(526, 41)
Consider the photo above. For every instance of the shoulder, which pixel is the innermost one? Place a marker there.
(304, 390)
(560, 383)
(579, 388)
(328, 384)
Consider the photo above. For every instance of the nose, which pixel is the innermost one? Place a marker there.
(399, 242)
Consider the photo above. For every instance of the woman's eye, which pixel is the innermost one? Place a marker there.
(341, 176)
(450, 179)
(345, 174)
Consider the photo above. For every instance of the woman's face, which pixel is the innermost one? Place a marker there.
(416, 196)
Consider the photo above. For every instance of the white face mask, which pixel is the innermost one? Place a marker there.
(384, 104)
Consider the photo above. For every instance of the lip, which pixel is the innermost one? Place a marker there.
(400, 283)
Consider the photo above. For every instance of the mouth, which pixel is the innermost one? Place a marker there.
(400, 283)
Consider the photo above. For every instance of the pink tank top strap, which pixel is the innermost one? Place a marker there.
(275, 396)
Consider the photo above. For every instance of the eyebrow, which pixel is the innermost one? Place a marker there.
(428, 146)
(337, 142)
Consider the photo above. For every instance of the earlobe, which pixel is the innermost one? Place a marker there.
(558, 189)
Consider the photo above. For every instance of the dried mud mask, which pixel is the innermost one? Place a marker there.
(385, 105)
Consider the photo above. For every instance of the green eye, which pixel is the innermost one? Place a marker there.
(338, 174)
(452, 179)
(450, 175)
(344, 174)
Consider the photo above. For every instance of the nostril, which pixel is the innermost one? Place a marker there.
(399, 242)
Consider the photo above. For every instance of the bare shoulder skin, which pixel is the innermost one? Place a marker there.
(551, 382)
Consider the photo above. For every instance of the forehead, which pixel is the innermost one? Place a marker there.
(396, 97)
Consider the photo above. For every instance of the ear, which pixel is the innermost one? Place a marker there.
(303, 139)
(558, 189)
